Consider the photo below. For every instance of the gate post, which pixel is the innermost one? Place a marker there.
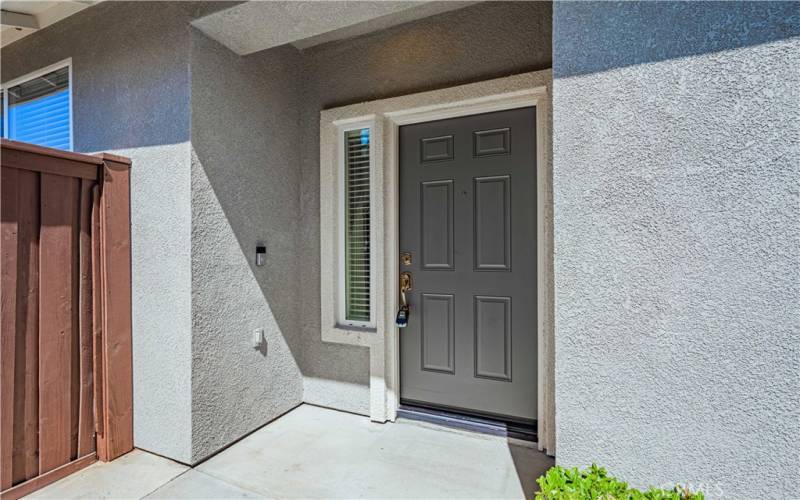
(115, 436)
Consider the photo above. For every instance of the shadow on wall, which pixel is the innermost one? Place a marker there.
(477, 43)
(245, 191)
(247, 135)
(230, 218)
(619, 41)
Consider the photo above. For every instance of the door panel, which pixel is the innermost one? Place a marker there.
(438, 332)
(493, 337)
(468, 218)
(437, 224)
(492, 233)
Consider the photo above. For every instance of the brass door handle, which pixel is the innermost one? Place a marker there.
(405, 285)
(402, 313)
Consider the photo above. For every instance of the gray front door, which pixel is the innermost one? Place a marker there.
(468, 219)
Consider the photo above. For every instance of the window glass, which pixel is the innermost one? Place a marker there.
(357, 219)
(38, 110)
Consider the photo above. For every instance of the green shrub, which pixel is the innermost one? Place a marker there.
(594, 483)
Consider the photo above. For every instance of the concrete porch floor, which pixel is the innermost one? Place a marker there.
(313, 452)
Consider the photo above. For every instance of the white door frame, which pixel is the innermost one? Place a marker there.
(385, 117)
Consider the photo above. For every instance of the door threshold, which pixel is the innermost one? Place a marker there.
(456, 420)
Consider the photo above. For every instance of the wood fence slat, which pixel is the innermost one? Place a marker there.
(8, 322)
(97, 318)
(66, 386)
(117, 343)
(35, 151)
(26, 421)
(75, 348)
(86, 442)
(56, 319)
(48, 165)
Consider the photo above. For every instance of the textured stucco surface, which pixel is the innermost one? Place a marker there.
(676, 169)
(130, 92)
(117, 108)
(225, 153)
(245, 189)
(254, 26)
(475, 43)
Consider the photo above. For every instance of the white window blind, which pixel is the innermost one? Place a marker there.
(38, 110)
(357, 221)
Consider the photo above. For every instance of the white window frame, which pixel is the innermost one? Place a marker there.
(33, 75)
(341, 299)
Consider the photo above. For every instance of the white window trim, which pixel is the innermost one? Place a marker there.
(527, 89)
(36, 74)
(342, 225)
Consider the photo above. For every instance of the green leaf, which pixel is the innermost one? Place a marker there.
(595, 483)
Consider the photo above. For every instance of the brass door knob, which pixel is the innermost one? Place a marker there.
(405, 281)
(405, 285)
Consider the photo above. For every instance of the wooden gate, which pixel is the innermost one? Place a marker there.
(65, 344)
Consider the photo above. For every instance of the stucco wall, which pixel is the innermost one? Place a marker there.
(225, 153)
(676, 167)
(472, 44)
(131, 96)
(245, 188)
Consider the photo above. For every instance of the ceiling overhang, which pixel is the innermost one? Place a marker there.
(21, 18)
(258, 25)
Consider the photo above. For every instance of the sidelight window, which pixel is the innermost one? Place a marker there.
(356, 289)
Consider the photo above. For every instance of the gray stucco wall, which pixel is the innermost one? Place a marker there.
(472, 44)
(676, 170)
(225, 153)
(245, 188)
(131, 97)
